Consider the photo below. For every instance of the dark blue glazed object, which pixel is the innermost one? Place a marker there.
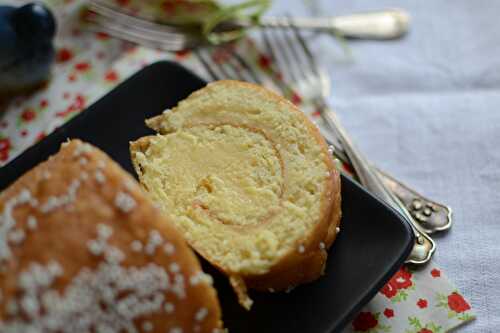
(26, 46)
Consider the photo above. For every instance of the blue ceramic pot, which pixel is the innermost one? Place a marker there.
(26, 46)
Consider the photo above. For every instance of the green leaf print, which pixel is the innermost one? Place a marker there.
(416, 326)
(384, 328)
(442, 301)
(415, 322)
(465, 317)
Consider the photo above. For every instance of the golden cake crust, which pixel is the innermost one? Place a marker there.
(77, 229)
(304, 263)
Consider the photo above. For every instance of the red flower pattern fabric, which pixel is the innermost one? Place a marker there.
(64, 55)
(28, 114)
(40, 136)
(457, 303)
(402, 279)
(179, 55)
(82, 66)
(425, 330)
(77, 105)
(364, 322)
(264, 61)
(111, 76)
(422, 303)
(389, 313)
(389, 290)
(4, 149)
(436, 273)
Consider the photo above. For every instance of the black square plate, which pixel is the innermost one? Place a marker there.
(372, 245)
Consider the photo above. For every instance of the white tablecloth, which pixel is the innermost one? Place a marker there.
(426, 109)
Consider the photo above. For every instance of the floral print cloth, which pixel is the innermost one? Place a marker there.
(88, 65)
(421, 301)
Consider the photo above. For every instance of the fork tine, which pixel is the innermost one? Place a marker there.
(281, 58)
(135, 34)
(235, 67)
(149, 22)
(309, 57)
(269, 38)
(138, 30)
(217, 70)
(297, 55)
(132, 21)
(206, 64)
(221, 68)
(252, 74)
(301, 64)
(119, 32)
(267, 44)
(323, 79)
(307, 73)
(287, 47)
(244, 64)
(238, 71)
(316, 77)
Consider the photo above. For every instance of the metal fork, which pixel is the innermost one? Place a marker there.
(304, 70)
(386, 24)
(137, 30)
(300, 60)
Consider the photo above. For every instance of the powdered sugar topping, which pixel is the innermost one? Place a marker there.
(55, 202)
(124, 202)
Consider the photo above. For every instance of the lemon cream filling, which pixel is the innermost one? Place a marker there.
(238, 197)
(232, 175)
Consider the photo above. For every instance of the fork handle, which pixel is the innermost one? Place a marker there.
(431, 216)
(424, 246)
(386, 24)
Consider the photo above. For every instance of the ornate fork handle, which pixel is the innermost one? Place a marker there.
(431, 215)
(387, 24)
(424, 246)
